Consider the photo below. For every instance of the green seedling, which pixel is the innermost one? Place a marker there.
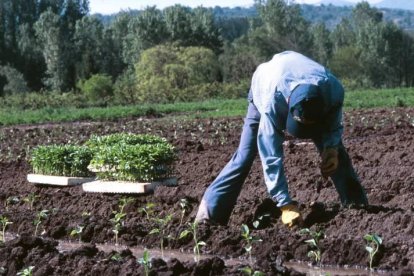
(192, 229)
(86, 214)
(11, 200)
(30, 198)
(124, 201)
(40, 216)
(315, 252)
(4, 221)
(184, 207)
(117, 221)
(145, 261)
(161, 229)
(77, 232)
(116, 257)
(249, 271)
(250, 240)
(374, 242)
(148, 210)
(26, 272)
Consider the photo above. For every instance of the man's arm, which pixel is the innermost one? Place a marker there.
(332, 136)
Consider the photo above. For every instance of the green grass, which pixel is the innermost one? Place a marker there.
(211, 108)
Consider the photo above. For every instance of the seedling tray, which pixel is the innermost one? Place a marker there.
(40, 179)
(124, 187)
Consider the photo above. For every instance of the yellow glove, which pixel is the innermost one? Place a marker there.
(329, 162)
(291, 215)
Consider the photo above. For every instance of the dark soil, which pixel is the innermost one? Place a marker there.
(379, 141)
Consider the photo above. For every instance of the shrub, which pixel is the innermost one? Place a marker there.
(61, 160)
(129, 157)
(97, 88)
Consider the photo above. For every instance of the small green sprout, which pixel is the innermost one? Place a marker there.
(86, 214)
(124, 201)
(11, 200)
(4, 221)
(77, 232)
(313, 242)
(192, 229)
(26, 272)
(249, 241)
(374, 242)
(248, 271)
(184, 207)
(161, 229)
(40, 216)
(147, 209)
(118, 221)
(116, 257)
(30, 198)
(145, 261)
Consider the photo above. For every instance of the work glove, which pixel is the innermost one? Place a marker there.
(329, 162)
(291, 215)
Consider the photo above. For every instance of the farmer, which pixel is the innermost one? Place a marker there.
(289, 93)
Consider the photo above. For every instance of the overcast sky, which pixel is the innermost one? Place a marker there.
(114, 6)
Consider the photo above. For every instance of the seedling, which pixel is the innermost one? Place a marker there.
(148, 210)
(184, 207)
(40, 216)
(192, 229)
(313, 242)
(161, 228)
(26, 272)
(145, 261)
(118, 221)
(86, 214)
(250, 240)
(124, 201)
(11, 200)
(116, 257)
(4, 221)
(77, 232)
(30, 198)
(249, 271)
(374, 242)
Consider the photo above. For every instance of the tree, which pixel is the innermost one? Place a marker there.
(15, 81)
(167, 73)
(322, 46)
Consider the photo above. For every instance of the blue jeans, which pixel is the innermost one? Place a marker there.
(221, 196)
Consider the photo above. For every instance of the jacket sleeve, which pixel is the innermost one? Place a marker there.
(332, 137)
(270, 146)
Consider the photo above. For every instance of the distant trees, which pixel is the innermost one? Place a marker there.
(56, 45)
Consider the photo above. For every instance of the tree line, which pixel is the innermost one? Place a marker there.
(181, 53)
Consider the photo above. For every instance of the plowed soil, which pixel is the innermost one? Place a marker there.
(380, 143)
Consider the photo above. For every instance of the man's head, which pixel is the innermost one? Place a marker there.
(306, 111)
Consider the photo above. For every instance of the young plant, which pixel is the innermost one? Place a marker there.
(192, 229)
(248, 271)
(40, 216)
(124, 201)
(250, 240)
(184, 207)
(374, 242)
(148, 210)
(4, 221)
(11, 200)
(315, 237)
(161, 229)
(77, 232)
(116, 257)
(30, 198)
(117, 221)
(26, 272)
(145, 261)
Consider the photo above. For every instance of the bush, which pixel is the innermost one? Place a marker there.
(97, 88)
(129, 157)
(15, 81)
(61, 160)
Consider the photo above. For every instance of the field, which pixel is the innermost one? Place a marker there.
(380, 142)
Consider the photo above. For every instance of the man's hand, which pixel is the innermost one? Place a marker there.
(291, 215)
(329, 162)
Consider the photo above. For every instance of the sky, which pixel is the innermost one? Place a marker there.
(114, 6)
